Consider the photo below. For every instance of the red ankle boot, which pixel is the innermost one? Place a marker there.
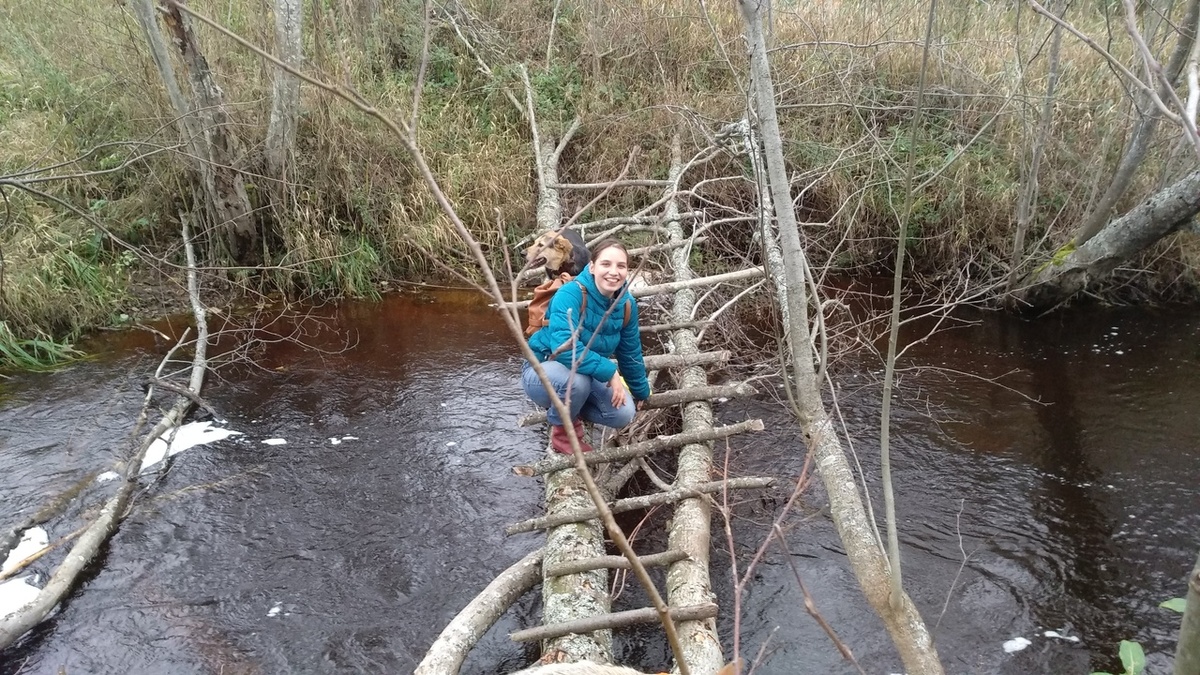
(561, 443)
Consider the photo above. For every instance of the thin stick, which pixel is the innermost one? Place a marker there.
(613, 620)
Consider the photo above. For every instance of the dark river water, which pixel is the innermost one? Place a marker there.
(1047, 478)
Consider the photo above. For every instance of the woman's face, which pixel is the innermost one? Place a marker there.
(610, 269)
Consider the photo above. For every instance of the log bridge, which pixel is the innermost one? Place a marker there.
(574, 565)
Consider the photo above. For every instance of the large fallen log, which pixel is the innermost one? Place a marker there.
(450, 649)
(573, 597)
(688, 581)
(1071, 269)
(641, 449)
(636, 503)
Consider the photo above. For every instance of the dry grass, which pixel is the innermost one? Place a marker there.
(74, 75)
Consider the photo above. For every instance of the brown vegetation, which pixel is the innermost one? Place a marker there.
(77, 84)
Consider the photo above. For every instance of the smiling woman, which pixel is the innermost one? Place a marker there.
(591, 320)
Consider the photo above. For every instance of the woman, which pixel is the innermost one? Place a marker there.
(596, 391)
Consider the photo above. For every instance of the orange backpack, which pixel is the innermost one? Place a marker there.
(540, 303)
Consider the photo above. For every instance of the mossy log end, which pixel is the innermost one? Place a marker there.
(1057, 281)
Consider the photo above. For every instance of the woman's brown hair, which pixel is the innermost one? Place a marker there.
(608, 243)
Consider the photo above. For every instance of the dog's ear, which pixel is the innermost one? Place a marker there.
(564, 246)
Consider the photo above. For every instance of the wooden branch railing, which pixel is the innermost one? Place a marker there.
(640, 502)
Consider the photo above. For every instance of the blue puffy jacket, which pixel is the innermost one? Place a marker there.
(600, 339)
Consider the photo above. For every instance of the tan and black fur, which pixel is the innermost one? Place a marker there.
(561, 251)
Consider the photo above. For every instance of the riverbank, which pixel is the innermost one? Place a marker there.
(91, 130)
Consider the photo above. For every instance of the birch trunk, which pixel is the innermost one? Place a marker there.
(900, 617)
(767, 224)
(115, 508)
(688, 581)
(189, 131)
(285, 90)
(1072, 269)
(449, 650)
(1026, 213)
(574, 596)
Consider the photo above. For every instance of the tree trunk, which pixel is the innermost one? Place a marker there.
(572, 596)
(903, 622)
(1072, 269)
(144, 12)
(222, 182)
(767, 227)
(688, 581)
(1027, 202)
(1187, 654)
(285, 91)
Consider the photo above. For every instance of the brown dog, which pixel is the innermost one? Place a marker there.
(561, 251)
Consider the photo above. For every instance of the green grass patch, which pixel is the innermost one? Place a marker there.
(36, 353)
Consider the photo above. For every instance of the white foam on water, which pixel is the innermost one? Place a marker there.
(182, 438)
(1016, 644)
(1060, 636)
(15, 594)
(34, 540)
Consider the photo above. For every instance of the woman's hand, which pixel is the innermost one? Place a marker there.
(618, 390)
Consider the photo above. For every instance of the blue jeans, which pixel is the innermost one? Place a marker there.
(588, 398)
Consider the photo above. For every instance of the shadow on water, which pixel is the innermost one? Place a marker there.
(1063, 500)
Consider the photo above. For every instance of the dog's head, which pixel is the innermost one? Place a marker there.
(549, 249)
